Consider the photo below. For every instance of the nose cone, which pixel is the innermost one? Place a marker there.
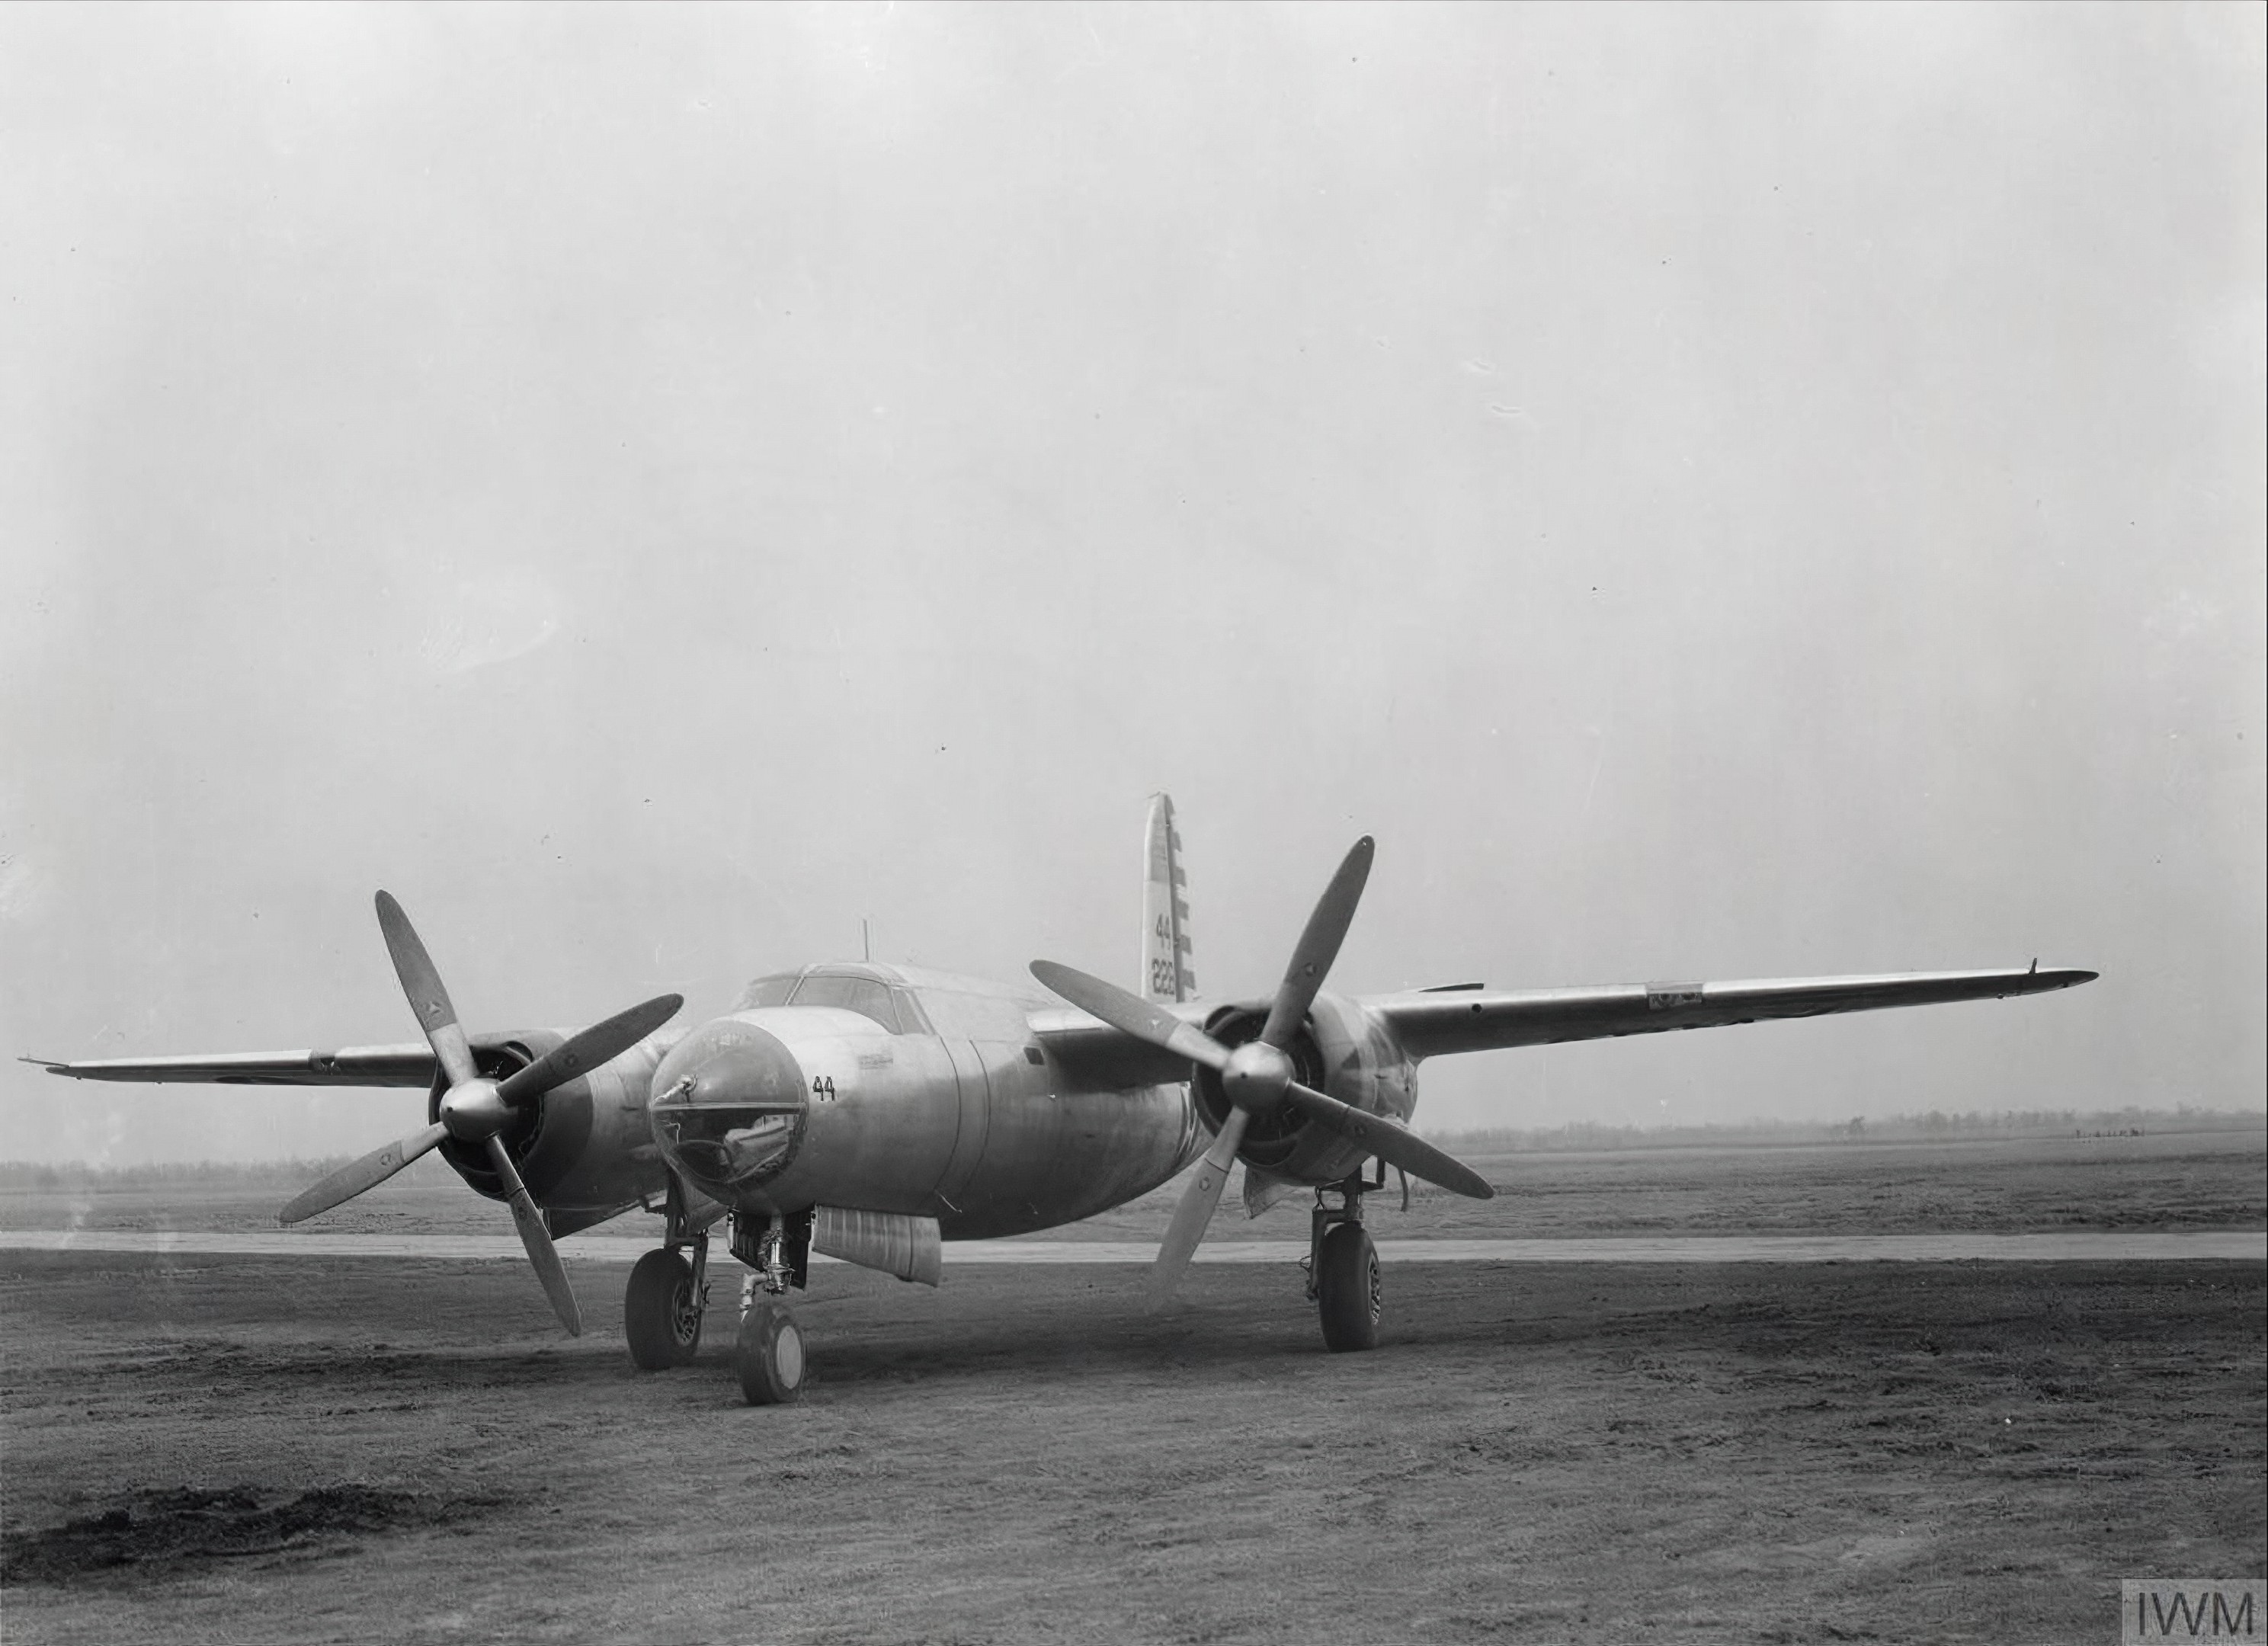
(728, 1107)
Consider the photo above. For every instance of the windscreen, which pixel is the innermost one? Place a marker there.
(766, 991)
(861, 994)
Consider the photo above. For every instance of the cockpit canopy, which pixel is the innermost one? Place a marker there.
(893, 1007)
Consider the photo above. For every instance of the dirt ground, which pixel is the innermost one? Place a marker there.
(316, 1450)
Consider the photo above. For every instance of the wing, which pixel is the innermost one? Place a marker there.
(1438, 1021)
(348, 1066)
(1096, 1057)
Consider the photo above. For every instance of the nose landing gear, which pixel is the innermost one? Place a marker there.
(667, 1297)
(768, 1354)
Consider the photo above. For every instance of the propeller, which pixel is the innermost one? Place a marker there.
(1258, 1076)
(476, 1110)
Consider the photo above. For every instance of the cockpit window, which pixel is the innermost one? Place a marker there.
(766, 991)
(910, 1018)
(860, 995)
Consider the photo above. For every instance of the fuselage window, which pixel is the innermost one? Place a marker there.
(860, 995)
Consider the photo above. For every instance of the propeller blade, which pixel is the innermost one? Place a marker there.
(537, 1239)
(1195, 1210)
(1131, 1014)
(350, 1181)
(1390, 1141)
(421, 983)
(600, 1043)
(1318, 946)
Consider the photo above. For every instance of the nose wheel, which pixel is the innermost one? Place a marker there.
(770, 1354)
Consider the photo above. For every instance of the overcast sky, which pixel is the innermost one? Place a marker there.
(1718, 493)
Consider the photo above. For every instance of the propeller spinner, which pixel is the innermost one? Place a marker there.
(474, 1109)
(1258, 1076)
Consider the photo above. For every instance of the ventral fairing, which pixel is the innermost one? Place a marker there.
(872, 1112)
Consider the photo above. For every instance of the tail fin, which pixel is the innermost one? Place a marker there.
(1165, 974)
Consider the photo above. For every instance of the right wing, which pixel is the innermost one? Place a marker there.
(350, 1066)
(1434, 1021)
(1096, 1057)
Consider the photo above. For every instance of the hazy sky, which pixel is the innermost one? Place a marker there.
(1718, 492)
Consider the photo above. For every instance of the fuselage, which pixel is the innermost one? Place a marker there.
(887, 1088)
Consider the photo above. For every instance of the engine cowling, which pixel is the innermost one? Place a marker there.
(1338, 1050)
(583, 1148)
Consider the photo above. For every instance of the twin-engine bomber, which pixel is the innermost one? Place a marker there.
(871, 1113)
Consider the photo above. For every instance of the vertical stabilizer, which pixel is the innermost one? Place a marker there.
(1165, 974)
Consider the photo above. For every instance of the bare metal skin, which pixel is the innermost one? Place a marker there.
(873, 1110)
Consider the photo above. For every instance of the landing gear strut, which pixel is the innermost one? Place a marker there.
(769, 1353)
(1342, 1276)
(668, 1297)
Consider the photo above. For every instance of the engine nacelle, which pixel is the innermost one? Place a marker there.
(583, 1148)
(1338, 1051)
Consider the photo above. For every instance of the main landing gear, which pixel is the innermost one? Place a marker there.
(668, 1296)
(662, 1310)
(1342, 1276)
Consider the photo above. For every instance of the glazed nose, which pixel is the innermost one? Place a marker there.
(728, 1107)
(729, 1063)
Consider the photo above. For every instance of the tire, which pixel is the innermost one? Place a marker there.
(661, 1316)
(771, 1355)
(1347, 1290)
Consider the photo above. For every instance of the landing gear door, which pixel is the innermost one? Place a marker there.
(976, 1089)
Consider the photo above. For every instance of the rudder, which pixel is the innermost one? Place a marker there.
(1166, 973)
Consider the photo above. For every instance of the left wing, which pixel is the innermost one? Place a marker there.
(348, 1066)
(1438, 1021)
